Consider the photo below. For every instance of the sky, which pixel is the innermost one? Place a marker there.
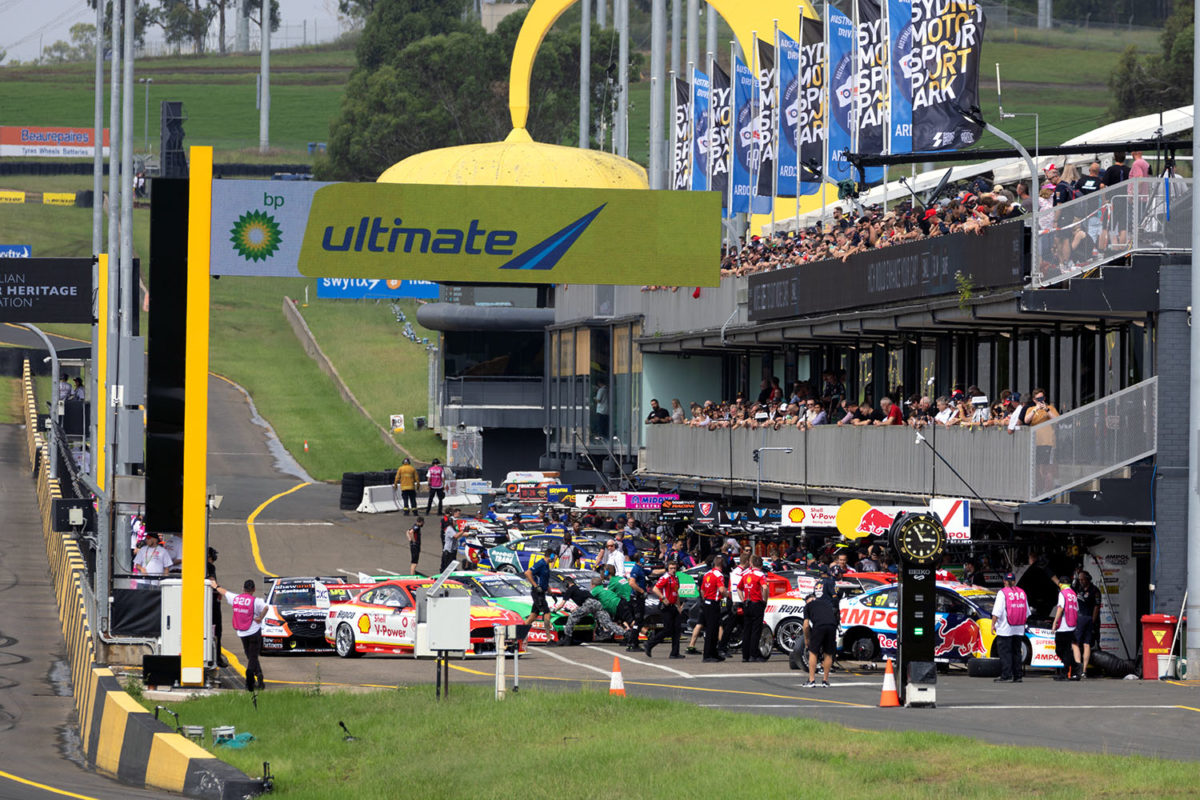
(27, 24)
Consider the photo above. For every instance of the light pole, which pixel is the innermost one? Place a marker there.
(146, 122)
(758, 460)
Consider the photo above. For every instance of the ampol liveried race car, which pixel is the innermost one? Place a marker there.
(382, 618)
(963, 623)
(296, 611)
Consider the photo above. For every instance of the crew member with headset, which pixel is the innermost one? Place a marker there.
(539, 575)
(1008, 621)
(712, 592)
(248, 613)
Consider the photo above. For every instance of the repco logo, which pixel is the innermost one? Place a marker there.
(383, 235)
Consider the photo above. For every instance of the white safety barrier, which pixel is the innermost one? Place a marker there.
(382, 499)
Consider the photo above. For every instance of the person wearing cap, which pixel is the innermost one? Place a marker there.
(435, 476)
(614, 555)
(450, 536)
(538, 574)
(1088, 597)
(585, 604)
(408, 481)
(820, 634)
(152, 558)
(1009, 614)
(1066, 616)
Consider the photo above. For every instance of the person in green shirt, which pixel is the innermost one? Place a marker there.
(613, 605)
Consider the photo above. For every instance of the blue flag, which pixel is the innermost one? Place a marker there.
(745, 145)
(903, 65)
(840, 72)
(702, 139)
(789, 93)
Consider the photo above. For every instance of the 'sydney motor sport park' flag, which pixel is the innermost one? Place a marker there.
(766, 132)
(810, 113)
(873, 83)
(681, 162)
(945, 39)
(719, 146)
(789, 112)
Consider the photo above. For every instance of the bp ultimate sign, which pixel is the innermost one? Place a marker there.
(484, 234)
(46, 290)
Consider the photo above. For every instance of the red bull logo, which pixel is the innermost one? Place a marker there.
(963, 637)
(875, 523)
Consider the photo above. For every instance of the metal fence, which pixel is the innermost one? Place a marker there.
(665, 311)
(1092, 441)
(1140, 214)
(494, 391)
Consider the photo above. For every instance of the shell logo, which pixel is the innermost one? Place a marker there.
(394, 284)
(796, 515)
(486, 613)
(364, 624)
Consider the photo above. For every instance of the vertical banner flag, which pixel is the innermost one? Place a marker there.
(682, 162)
(873, 83)
(722, 116)
(946, 45)
(701, 133)
(840, 74)
(766, 119)
(789, 113)
(902, 62)
(811, 117)
(744, 144)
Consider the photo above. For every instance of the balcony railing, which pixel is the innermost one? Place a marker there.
(664, 311)
(1030, 464)
(1134, 216)
(493, 402)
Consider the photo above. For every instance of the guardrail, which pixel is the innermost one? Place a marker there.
(1089, 442)
(1136, 215)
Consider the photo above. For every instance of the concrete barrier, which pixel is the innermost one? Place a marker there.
(118, 735)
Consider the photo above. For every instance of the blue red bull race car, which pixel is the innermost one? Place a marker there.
(963, 622)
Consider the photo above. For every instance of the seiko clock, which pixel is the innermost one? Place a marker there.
(918, 539)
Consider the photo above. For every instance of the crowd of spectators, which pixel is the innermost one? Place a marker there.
(804, 408)
(977, 206)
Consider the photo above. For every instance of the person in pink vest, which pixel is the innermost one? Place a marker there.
(248, 613)
(436, 478)
(1008, 622)
(1066, 616)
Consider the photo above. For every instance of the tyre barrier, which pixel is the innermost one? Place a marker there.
(117, 735)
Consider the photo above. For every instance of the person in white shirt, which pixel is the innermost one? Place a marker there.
(735, 577)
(1009, 613)
(612, 555)
(1014, 419)
(945, 414)
(248, 613)
(152, 558)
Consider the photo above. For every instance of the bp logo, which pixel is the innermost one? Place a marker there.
(255, 236)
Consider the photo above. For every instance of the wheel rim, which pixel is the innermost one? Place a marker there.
(345, 641)
(862, 649)
(509, 568)
(766, 643)
(786, 637)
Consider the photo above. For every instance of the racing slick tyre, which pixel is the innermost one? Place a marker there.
(983, 667)
(862, 647)
(798, 658)
(1113, 665)
(766, 643)
(509, 568)
(787, 632)
(343, 642)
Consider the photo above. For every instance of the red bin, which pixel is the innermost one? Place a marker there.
(1158, 638)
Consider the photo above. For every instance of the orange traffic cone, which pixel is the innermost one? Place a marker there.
(306, 445)
(890, 698)
(617, 685)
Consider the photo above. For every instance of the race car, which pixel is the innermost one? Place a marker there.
(784, 615)
(963, 623)
(296, 611)
(518, 556)
(382, 618)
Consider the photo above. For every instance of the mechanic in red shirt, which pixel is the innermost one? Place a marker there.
(753, 588)
(666, 589)
(712, 590)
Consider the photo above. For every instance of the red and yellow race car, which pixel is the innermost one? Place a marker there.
(382, 618)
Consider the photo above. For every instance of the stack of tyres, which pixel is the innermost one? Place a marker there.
(352, 489)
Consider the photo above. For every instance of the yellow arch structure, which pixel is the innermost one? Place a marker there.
(744, 17)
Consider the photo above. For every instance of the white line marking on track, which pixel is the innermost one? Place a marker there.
(1027, 708)
(673, 671)
(269, 523)
(550, 652)
(764, 705)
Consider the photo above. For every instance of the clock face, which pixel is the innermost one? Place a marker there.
(919, 539)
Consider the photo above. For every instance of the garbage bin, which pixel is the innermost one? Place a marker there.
(1158, 637)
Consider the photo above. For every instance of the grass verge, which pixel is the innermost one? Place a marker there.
(10, 400)
(588, 745)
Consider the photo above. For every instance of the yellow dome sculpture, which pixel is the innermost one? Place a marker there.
(518, 161)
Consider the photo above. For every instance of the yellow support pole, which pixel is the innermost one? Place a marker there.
(195, 417)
